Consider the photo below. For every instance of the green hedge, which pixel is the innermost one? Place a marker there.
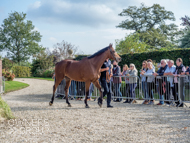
(137, 58)
(21, 71)
(156, 56)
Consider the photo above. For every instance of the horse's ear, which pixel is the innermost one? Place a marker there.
(110, 45)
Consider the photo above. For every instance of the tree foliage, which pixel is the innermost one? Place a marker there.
(186, 22)
(18, 37)
(42, 60)
(64, 50)
(150, 22)
(185, 41)
(144, 18)
(130, 44)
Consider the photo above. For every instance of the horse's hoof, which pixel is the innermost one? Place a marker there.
(87, 106)
(100, 105)
(69, 105)
(50, 104)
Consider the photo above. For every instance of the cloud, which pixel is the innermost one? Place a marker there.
(87, 13)
(52, 39)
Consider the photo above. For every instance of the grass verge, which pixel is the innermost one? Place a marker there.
(14, 85)
(5, 110)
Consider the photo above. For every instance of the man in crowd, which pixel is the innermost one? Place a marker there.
(105, 84)
(169, 83)
(161, 81)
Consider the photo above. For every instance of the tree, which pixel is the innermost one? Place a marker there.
(185, 41)
(144, 18)
(186, 22)
(150, 23)
(18, 37)
(131, 44)
(43, 60)
(64, 50)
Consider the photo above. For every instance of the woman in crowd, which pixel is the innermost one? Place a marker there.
(144, 82)
(179, 72)
(124, 73)
(150, 81)
(132, 82)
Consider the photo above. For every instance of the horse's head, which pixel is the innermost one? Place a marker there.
(113, 54)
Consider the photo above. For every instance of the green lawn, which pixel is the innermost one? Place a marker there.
(14, 85)
(42, 78)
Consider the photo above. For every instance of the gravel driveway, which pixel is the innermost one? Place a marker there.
(36, 121)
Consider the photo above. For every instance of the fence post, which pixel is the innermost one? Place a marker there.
(1, 78)
(179, 91)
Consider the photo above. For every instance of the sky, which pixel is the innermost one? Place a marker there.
(88, 24)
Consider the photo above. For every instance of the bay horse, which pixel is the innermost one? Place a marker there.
(86, 70)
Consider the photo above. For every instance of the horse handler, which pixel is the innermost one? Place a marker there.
(105, 83)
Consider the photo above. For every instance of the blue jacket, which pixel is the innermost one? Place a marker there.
(161, 71)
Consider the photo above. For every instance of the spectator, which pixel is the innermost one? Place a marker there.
(169, 83)
(179, 72)
(150, 81)
(117, 80)
(167, 60)
(149, 60)
(161, 81)
(144, 82)
(132, 82)
(127, 87)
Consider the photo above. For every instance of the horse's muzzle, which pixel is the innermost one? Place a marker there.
(118, 59)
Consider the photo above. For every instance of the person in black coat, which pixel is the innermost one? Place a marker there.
(161, 81)
(106, 84)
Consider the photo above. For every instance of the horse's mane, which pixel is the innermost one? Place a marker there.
(98, 53)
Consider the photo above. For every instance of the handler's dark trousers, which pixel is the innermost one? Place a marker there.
(107, 89)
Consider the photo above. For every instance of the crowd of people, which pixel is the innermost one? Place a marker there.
(162, 82)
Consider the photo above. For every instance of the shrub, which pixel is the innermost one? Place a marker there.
(21, 71)
(48, 73)
(8, 75)
(38, 72)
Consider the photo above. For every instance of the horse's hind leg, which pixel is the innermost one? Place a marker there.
(87, 85)
(68, 83)
(56, 84)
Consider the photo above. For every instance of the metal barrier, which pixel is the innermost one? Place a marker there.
(125, 87)
(160, 88)
(77, 90)
(2, 84)
(185, 84)
(166, 89)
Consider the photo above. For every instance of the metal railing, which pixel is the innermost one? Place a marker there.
(125, 87)
(161, 88)
(165, 89)
(77, 90)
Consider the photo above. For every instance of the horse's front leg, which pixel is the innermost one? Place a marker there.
(87, 86)
(100, 99)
